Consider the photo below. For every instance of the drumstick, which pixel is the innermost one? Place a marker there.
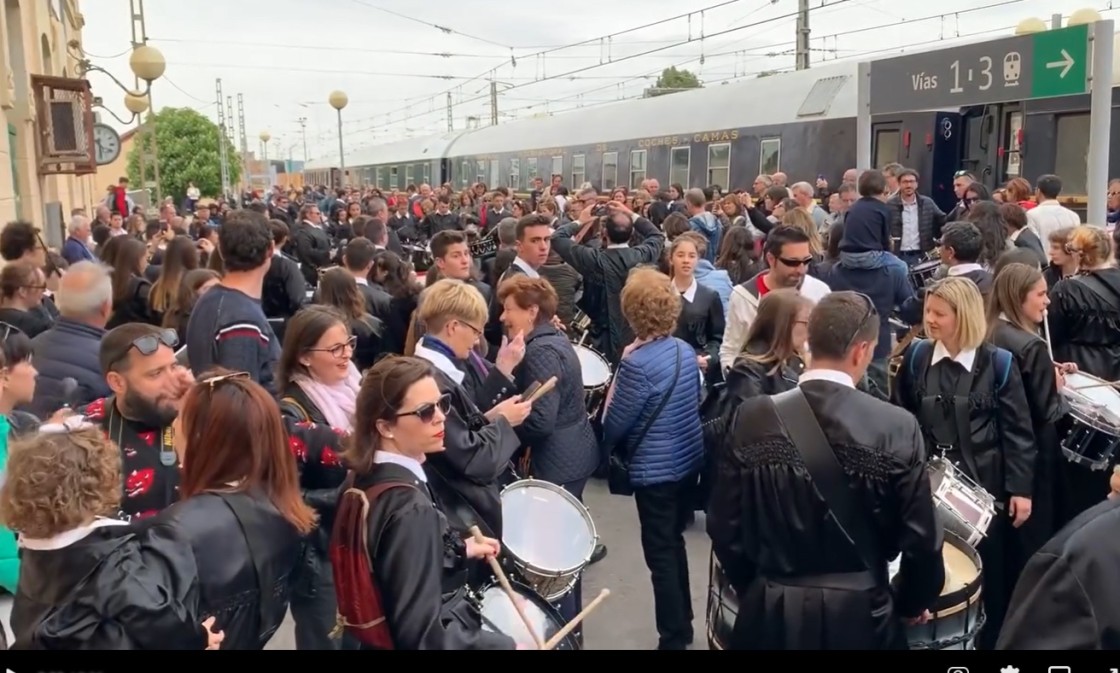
(562, 633)
(542, 391)
(1046, 331)
(504, 581)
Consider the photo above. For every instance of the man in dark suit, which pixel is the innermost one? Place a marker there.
(284, 291)
(1022, 236)
(801, 581)
(534, 233)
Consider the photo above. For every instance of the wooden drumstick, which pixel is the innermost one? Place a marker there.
(562, 633)
(504, 582)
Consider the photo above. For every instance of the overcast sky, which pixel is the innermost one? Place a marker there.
(286, 56)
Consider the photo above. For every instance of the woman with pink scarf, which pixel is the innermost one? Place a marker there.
(319, 384)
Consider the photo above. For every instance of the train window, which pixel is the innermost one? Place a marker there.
(637, 168)
(426, 173)
(610, 171)
(558, 165)
(1071, 156)
(887, 147)
(719, 164)
(515, 174)
(394, 175)
(532, 166)
(769, 156)
(579, 170)
(680, 160)
(495, 174)
(464, 175)
(1014, 156)
(480, 172)
(409, 176)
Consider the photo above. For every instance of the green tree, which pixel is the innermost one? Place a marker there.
(673, 80)
(187, 144)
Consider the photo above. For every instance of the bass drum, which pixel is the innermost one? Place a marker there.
(499, 616)
(958, 614)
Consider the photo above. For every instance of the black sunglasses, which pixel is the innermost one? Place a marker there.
(427, 412)
(150, 343)
(871, 313)
(792, 263)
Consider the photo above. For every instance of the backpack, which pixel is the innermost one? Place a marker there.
(360, 611)
(1001, 358)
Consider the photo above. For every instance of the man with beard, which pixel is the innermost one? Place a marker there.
(138, 361)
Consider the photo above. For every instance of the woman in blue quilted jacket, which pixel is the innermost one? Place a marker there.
(652, 420)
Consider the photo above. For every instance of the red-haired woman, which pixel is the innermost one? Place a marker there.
(241, 510)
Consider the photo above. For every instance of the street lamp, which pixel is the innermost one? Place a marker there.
(146, 63)
(338, 100)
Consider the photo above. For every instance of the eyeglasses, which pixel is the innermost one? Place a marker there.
(793, 263)
(871, 312)
(337, 350)
(427, 412)
(221, 378)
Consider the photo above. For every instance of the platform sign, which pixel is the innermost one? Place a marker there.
(1040, 65)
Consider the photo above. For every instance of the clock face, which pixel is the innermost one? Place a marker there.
(106, 144)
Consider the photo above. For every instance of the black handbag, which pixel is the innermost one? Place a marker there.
(618, 468)
(828, 476)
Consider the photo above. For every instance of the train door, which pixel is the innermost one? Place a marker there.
(886, 144)
(1011, 132)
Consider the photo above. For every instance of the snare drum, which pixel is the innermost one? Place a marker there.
(958, 613)
(596, 372)
(499, 616)
(548, 534)
(1094, 421)
(923, 274)
(963, 507)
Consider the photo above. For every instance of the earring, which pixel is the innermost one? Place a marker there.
(389, 436)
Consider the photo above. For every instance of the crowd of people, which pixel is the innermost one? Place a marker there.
(313, 401)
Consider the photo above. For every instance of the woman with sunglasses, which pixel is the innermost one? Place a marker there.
(400, 568)
(319, 384)
(241, 511)
(968, 397)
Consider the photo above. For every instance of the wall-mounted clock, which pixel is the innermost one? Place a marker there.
(106, 144)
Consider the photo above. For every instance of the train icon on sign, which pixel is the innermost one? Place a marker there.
(1012, 68)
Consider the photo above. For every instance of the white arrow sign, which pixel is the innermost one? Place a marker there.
(1066, 64)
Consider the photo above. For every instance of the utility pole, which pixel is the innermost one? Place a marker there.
(450, 119)
(244, 143)
(228, 138)
(303, 130)
(223, 153)
(151, 156)
(802, 34)
(494, 100)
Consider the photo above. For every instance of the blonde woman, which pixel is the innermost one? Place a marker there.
(797, 217)
(1085, 308)
(956, 375)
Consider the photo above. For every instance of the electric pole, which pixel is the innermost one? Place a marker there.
(223, 153)
(303, 130)
(244, 143)
(802, 34)
(450, 119)
(148, 156)
(494, 100)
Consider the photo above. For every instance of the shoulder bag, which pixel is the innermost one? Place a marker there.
(618, 469)
(828, 476)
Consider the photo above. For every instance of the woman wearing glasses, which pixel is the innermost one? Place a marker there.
(479, 444)
(319, 384)
(954, 376)
(22, 287)
(401, 569)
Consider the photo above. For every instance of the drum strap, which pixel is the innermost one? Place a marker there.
(827, 474)
(961, 423)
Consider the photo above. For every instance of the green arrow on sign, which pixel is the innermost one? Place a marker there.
(1060, 62)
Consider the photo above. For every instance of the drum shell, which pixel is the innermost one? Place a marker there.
(499, 616)
(957, 616)
(723, 606)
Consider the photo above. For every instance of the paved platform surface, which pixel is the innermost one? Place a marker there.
(625, 620)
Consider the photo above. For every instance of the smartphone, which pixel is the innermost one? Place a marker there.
(531, 390)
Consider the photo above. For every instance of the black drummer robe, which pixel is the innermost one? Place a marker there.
(800, 582)
(1066, 597)
(1001, 448)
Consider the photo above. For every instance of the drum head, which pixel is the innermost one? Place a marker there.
(594, 367)
(545, 527)
(499, 615)
(964, 574)
(1096, 405)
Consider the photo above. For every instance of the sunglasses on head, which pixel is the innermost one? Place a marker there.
(221, 378)
(427, 412)
(868, 315)
(961, 174)
(150, 343)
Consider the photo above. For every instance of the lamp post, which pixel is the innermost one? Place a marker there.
(265, 136)
(338, 100)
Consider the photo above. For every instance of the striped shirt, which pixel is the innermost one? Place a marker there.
(228, 329)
